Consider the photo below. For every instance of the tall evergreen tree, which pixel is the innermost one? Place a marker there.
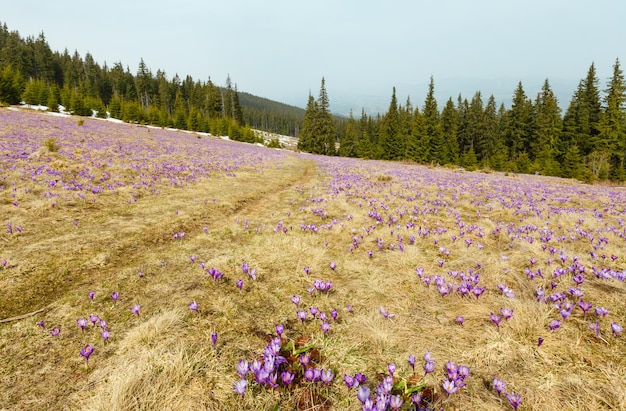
(612, 125)
(449, 130)
(546, 131)
(390, 144)
(431, 138)
(519, 124)
(349, 142)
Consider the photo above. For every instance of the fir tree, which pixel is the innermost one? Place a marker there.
(519, 125)
(612, 130)
(547, 131)
(449, 127)
(390, 143)
(431, 129)
(305, 139)
(349, 142)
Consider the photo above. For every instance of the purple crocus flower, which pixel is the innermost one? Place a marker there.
(450, 387)
(214, 339)
(103, 323)
(86, 352)
(192, 258)
(360, 378)
(412, 360)
(287, 377)
(539, 341)
(193, 306)
(82, 323)
(245, 268)
(55, 331)
(506, 312)
(325, 327)
(554, 325)
(460, 319)
(429, 367)
(363, 394)
(499, 385)
(279, 329)
(495, 318)
(601, 311)
(296, 300)
(240, 283)
(42, 324)
(240, 387)
(114, 296)
(595, 327)
(94, 319)
(514, 399)
(616, 328)
(395, 402)
(105, 334)
(327, 376)
(391, 368)
(349, 380)
(242, 368)
(333, 266)
(91, 295)
(135, 309)
(302, 315)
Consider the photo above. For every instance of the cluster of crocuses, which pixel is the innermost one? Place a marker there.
(514, 399)
(282, 365)
(469, 283)
(320, 286)
(392, 392)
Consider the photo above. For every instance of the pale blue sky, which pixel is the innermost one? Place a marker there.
(280, 49)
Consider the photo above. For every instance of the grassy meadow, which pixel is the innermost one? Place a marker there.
(174, 256)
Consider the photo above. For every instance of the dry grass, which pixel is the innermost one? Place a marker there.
(164, 358)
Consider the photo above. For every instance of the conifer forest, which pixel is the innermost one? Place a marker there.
(586, 141)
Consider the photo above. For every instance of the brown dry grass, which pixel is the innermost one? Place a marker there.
(164, 358)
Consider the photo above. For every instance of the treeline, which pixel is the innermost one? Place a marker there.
(588, 142)
(31, 72)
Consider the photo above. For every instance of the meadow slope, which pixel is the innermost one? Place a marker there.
(190, 263)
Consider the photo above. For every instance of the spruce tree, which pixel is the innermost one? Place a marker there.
(305, 139)
(390, 144)
(431, 131)
(449, 127)
(348, 144)
(612, 130)
(519, 125)
(546, 131)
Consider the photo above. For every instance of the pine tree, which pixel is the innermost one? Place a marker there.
(612, 130)
(390, 144)
(431, 130)
(449, 127)
(519, 125)
(546, 131)
(305, 139)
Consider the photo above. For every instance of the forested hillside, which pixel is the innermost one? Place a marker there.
(588, 142)
(31, 72)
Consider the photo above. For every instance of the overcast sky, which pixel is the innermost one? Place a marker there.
(280, 49)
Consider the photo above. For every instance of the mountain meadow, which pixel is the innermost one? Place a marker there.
(143, 267)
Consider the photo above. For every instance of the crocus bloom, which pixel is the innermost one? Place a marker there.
(412, 360)
(302, 315)
(287, 377)
(193, 306)
(395, 402)
(391, 368)
(450, 387)
(91, 295)
(103, 324)
(333, 266)
(360, 378)
(616, 328)
(307, 270)
(242, 368)
(327, 376)
(114, 296)
(506, 312)
(325, 327)
(240, 283)
(495, 318)
(460, 319)
(514, 399)
(539, 341)
(105, 334)
(240, 387)
(86, 352)
(55, 332)
(499, 385)
(279, 329)
(214, 339)
(363, 394)
(601, 311)
(429, 366)
(349, 381)
(135, 309)
(554, 324)
(42, 324)
(82, 323)
(94, 319)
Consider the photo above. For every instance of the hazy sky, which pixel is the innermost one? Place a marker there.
(281, 49)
